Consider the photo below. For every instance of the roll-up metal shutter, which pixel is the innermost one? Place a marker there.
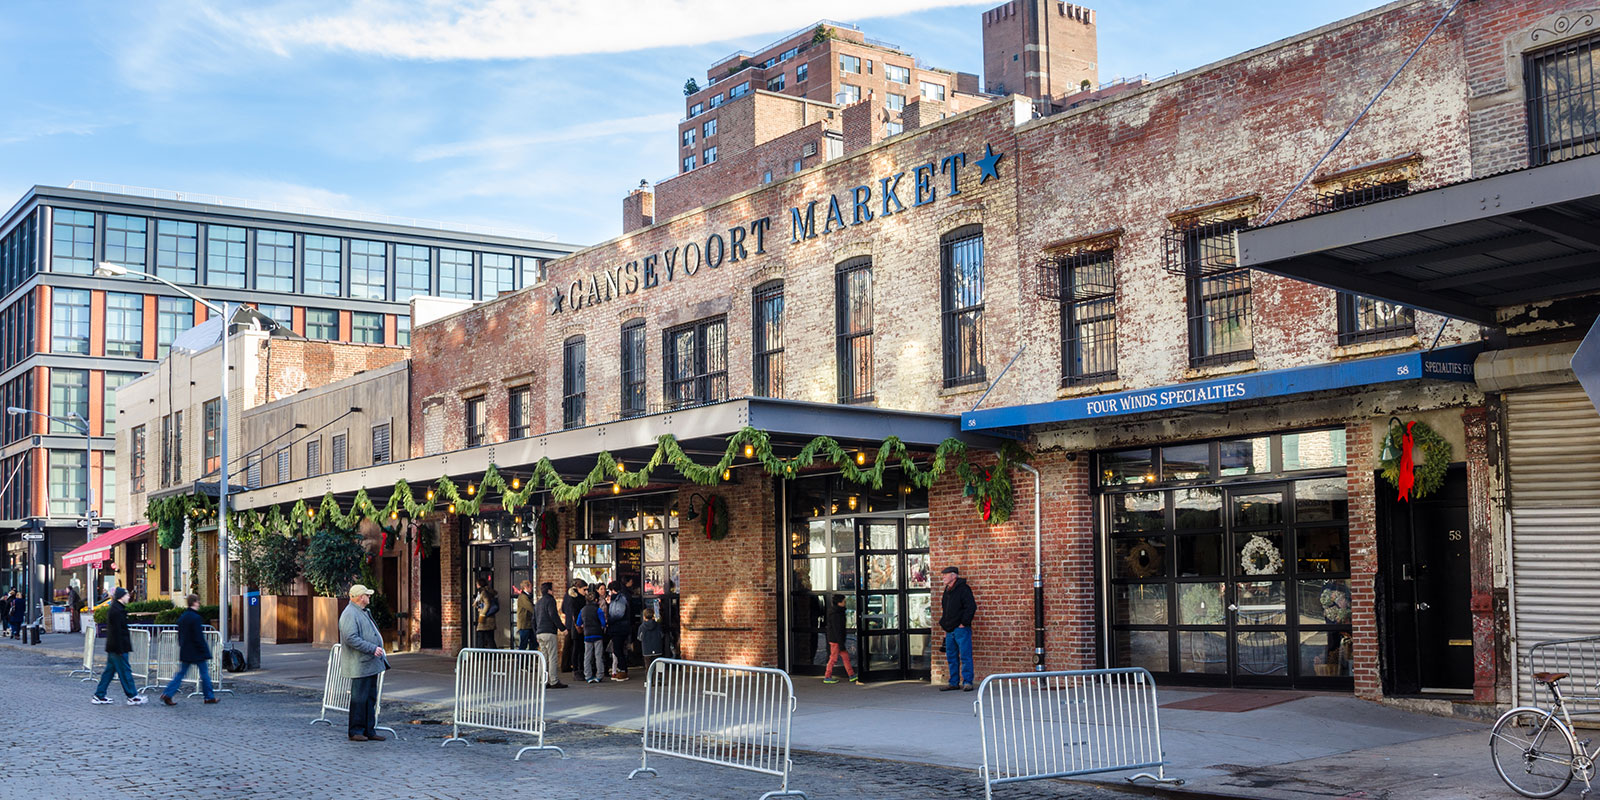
(1553, 442)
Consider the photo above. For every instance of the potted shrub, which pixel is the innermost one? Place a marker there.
(332, 562)
(284, 617)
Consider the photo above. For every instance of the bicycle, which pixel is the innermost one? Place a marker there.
(1534, 749)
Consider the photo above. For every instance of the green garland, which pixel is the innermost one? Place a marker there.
(1428, 473)
(988, 486)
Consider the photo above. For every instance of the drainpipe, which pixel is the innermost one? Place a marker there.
(1038, 576)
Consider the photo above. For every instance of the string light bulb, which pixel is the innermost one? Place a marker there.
(621, 467)
(516, 483)
(452, 508)
(749, 451)
(471, 489)
(852, 502)
(394, 515)
(430, 494)
(861, 457)
(727, 475)
(310, 514)
(616, 488)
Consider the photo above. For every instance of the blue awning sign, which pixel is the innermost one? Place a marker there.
(1450, 364)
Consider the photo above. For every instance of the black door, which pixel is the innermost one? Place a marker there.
(1426, 574)
(432, 630)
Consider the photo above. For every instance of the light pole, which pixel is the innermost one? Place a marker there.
(106, 269)
(91, 518)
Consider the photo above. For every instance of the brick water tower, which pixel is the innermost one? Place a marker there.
(1042, 49)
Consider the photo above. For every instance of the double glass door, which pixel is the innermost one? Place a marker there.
(1235, 585)
(880, 567)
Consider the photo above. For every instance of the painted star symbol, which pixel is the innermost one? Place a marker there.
(558, 302)
(990, 164)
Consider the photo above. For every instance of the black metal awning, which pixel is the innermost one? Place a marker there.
(702, 432)
(1462, 250)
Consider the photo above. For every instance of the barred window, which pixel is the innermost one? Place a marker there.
(768, 339)
(1218, 291)
(572, 382)
(341, 452)
(695, 363)
(380, 444)
(961, 268)
(1563, 101)
(136, 443)
(313, 458)
(521, 412)
(475, 421)
(633, 368)
(1088, 283)
(853, 319)
(1366, 319)
(210, 442)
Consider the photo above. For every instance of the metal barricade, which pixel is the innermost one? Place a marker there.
(1580, 659)
(165, 663)
(501, 690)
(214, 644)
(723, 714)
(1038, 725)
(141, 657)
(336, 692)
(89, 653)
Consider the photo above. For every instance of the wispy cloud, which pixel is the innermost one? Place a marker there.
(652, 124)
(519, 29)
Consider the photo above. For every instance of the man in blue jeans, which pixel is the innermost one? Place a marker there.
(957, 606)
(192, 652)
(118, 645)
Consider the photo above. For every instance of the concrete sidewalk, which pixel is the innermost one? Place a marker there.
(1320, 745)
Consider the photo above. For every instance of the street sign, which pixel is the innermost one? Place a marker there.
(33, 536)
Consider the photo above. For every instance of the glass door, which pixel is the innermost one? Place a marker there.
(896, 617)
(1259, 605)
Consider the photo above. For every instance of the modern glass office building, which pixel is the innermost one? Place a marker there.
(69, 339)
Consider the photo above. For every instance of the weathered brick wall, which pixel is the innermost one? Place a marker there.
(734, 174)
(485, 350)
(288, 366)
(729, 592)
(1361, 489)
(1499, 36)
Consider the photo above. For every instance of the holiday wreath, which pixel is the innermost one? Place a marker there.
(1260, 557)
(1403, 472)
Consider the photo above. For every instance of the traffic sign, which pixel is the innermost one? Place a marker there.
(33, 536)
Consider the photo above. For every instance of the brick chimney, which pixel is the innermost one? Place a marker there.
(860, 125)
(639, 208)
(921, 112)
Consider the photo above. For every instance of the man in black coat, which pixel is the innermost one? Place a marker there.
(957, 607)
(192, 652)
(546, 623)
(119, 643)
(571, 607)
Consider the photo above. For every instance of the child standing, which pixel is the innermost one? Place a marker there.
(836, 649)
(593, 625)
(650, 639)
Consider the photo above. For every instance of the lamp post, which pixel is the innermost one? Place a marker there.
(91, 519)
(106, 269)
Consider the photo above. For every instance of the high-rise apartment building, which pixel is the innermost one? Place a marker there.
(69, 339)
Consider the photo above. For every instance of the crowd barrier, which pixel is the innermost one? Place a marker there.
(1038, 725)
(214, 642)
(501, 690)
(723, 714)
(1580, 659)
(336, 692)
(166, 659)
(91, 657)
(141, 658)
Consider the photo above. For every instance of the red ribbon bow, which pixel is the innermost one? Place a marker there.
(1408, 466)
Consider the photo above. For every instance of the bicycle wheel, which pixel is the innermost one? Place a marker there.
(1533, 752)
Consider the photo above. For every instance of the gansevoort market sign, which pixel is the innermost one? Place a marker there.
(861, 205)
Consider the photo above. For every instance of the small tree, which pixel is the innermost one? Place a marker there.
(822, 34)
(332, 561)
(278, 562)
(690, 87)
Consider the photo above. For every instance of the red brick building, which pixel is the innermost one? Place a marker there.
(1207, 438)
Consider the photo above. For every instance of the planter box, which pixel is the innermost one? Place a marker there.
(325, 618)
(285, 619)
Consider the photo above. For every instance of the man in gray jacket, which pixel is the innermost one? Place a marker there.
(362, 661)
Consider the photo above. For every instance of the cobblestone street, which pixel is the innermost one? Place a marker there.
(258, 743)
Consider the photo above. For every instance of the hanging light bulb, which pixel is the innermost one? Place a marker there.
(394, 515)
(471, 489)
(516, 483)
(616, 488)
(430, 494)
(861, 457)
(452, 508)
(852, 502)
(310, 514)
(749, 451)
(621, 467)
(727, 474)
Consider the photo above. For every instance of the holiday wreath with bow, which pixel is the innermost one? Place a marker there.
(1410, 478)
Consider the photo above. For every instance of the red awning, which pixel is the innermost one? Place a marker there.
(98, 550)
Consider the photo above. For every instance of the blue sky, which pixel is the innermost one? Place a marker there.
(534, 115)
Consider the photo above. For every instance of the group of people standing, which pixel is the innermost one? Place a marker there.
(13, 610)
(602, 623)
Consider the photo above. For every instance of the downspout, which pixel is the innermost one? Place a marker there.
(1038, 574)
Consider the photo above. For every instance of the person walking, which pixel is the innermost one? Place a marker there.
(619, 629)
(487, 606)
(74, 604)
(523, 606)
(362, 662)
(650, 640)
(571, 607)
(957, 607)
(836, 642)
(192, 652)
(546, 622)
(592, 625)
(16, 612)
(119, 643)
